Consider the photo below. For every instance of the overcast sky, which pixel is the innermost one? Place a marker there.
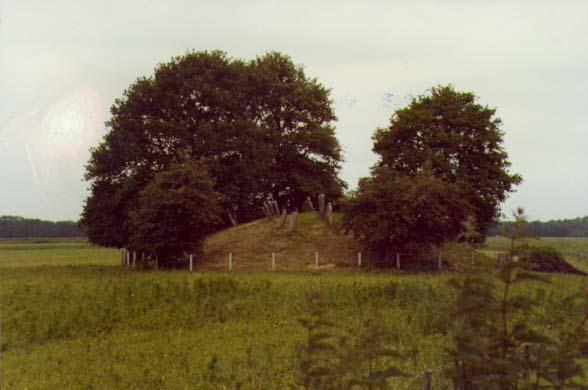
(63, 62)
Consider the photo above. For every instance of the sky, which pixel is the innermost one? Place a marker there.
(64, 62)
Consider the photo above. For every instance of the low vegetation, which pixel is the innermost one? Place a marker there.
(73, 318)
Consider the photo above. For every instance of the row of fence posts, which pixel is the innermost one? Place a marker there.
(129, 259)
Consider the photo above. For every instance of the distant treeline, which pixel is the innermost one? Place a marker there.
(577, 227)
(19, 227)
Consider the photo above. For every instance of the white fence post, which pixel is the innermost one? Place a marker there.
(230, 261)
(273, 261)
(316, 260)
(359, 259)
(191, 262)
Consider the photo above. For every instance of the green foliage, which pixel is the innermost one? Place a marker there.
(175, 212)
(494, 348)
(348, 360)
(393, 212)
(69, 307)
(262, 128)
(462, 142)
(314, 368)
(577, 227)
(515, 231)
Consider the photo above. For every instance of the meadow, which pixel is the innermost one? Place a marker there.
(73, 318)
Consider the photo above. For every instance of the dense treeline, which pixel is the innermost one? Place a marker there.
(577, 227)
(19, 227)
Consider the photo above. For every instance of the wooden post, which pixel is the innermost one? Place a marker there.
(526, 355)
(359, 259)
(128, 256)
(143, 260)
(427, 380)
(316, 260)
(440, 264)
(191, 262)
(273, 261)
(134, 259)
(156, 261)
(230, 261)
(397, 260)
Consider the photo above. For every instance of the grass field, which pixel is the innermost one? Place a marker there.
(73, 318)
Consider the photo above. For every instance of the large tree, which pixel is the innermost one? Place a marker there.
(461, 139)
(262, 128)
(175, 212)
(392, 212)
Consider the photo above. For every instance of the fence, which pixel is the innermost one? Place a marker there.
(129, 259)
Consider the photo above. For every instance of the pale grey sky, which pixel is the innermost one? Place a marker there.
(63, 62)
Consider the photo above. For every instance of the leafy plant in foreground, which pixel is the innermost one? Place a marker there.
(314, 368)
(494, 348)
(345, 361)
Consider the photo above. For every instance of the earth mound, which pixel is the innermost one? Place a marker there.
(545, 259)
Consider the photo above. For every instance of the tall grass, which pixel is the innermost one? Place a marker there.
(93, 325)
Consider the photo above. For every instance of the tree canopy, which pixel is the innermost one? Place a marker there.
(262, 128)
(175, 212)
(460, 139)
(442, 174)
(19, 227)
(393, 212)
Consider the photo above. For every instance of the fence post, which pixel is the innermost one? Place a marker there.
(134, 259)
(359, 259)
(122, 261)
(316, 261)
(128, 258)
(156, 261)
(440, 264)
(191, 262)
(397, 260)
(273, 261)
(427, 380)
(230, 261)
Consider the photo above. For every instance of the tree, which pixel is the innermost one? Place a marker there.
(461, 139)
(392, 212)
(516, 230)
(299, 114)
(175, 212)
(262, 128)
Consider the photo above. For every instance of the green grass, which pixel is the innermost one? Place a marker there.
(72, 318)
